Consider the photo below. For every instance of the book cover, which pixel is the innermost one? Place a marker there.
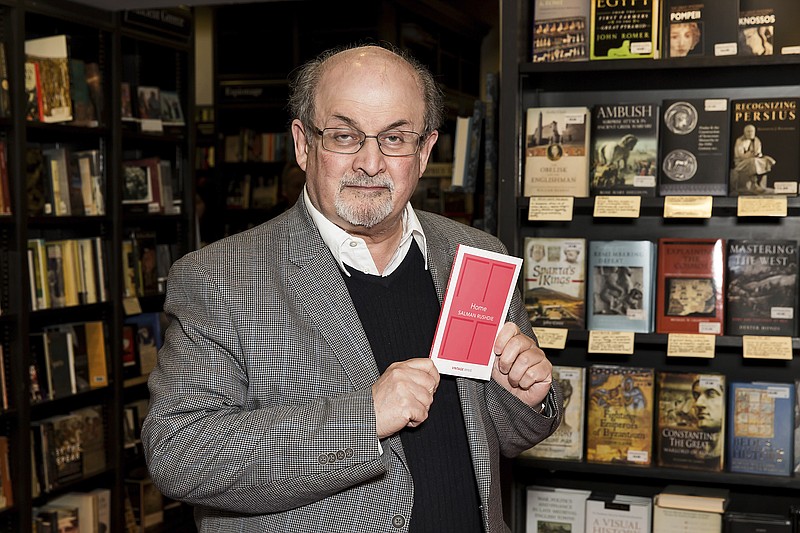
(148, 339)
(765, 133)
(768, 27)
(694, 498)
(761, 429)
(60, 361)
(691, 420)
(93, 443)
(690, 284)
(94, 82)
(57, 171)
(761, 287)
(51, 56)
(67, 448)
(625, 149)
(670, 520)
(618, 513)
(557, 151)
(33, 92)
(797, 426)
(83, 112)
(6, 487)
(37, 188)
(37, 369)
(89, 164)
(567, 441)
(475, 305)
(694, 147)
(624, 30)
(621, 290)
(699, 28)
(80, 354)
(555, 281)
(560, 30)
(171, 111)
(86, 504)
(147, 502)
(737, 522)
(619, 420)
(555, 509)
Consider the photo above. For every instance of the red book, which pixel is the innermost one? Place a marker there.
(689, 296)
(475, 306)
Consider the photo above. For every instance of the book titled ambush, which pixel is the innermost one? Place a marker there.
(475, 305)
(555, 281)
(761, 287)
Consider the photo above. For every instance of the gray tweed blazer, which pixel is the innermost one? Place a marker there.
(261, 411)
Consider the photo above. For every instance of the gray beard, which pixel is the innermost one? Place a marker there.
(371, 211)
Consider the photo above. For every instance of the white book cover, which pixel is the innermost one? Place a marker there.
(668, 520)
(553, 509)
(619, 513)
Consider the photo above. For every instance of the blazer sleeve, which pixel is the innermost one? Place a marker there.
(207, 444)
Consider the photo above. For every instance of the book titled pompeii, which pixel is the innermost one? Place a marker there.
(699, 28)
(761, 287)
(624, 30)
(694, 147)
(555, 282)
(625, 149)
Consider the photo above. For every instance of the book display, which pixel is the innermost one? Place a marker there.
(737, 325)
(61, 236)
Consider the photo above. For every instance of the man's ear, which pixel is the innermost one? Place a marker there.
(300, 143)
(425, 150)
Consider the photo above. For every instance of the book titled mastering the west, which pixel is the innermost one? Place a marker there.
(475, 305)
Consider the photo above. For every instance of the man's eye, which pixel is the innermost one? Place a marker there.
(392, 138)
(345, 137)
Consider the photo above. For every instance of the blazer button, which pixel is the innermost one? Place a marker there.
(322, 459)
(398, 521)
(348, 452)
(331, 457)
(340, 455)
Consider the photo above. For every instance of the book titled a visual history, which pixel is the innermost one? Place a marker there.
(619, 421)
(557, 151)
(618, 513)
(691, 420)
(567, 441)
(624, 30)
(690, 285)
(761, 295)
(621, 292)
(694, 147)
(555, 281)
(761, 428)
(625, 149)
(769, 27)
(765, 134)
(560, 30)
(704, 28)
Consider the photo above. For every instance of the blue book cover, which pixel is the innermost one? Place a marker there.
(761, 428)
(621, 292)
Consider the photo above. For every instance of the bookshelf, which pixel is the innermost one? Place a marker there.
(524, 85)
(123, 46)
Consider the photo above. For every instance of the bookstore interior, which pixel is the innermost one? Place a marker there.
(639, 158)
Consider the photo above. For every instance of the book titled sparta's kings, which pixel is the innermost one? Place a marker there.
(554, 276)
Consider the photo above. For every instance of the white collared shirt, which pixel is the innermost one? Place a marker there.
(352, 251)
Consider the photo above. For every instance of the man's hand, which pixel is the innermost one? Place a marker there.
(520, 366)
(403, 395)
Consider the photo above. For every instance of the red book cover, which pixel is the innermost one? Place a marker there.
(474, 309)
(689, 296)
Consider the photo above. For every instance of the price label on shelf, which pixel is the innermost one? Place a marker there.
(617, 206)
(554, 338)
(761, 206)
(549, 208)
(691, 345)
(616, 342)
(766, 347)
(688, 206)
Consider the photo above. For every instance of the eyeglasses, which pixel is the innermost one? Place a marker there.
(392, 143)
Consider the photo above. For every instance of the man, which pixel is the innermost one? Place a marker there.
(708, 409)
(294, 392)
(751, 166)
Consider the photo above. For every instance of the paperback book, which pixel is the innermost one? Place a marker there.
(618, 513)
(691, 420)
(765, 134)
(555, 281)
(625, 149)
(761, 287)
(694, 147)
(761, 428)
(619, 423)
(689, 290)
(567, 441)
(699, 28)
(621, 293)
(555, 509)
(670, 520)
(560, 31)
(557, 151)
(768, 27)
(624, 30)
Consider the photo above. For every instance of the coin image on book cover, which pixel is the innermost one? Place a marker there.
(680, 165)
(681, 118)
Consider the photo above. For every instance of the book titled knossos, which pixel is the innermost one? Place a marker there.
(475, 305)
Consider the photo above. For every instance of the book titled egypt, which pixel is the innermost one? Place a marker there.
(619, 423)
(624, 30)
(555, 281)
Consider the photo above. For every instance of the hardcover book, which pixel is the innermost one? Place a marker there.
(50, 56)
(761, 287)
(624, 30)
(560, 31)
(621, 290)
(693, 498)
(691, 420)
(670, 520)
(699, 28)
(567, 441)
(736, 522)
(618, 513)
(555, 509)
(765, 133)
(694, 147)
(625, 149)
(555, 282)
(689, 290)
(557, 151)
(619, 421)
(761, 428)
(768, 27)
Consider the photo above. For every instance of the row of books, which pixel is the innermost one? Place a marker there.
(630, 415)
(75, 511)
(66, 272)
(675, 509)
(684, 146)
(142, 337)
(150, 186)
(250, 145)
(576, 30)
(145, 263)
(674, 285)
(62, 181)
(151, 106)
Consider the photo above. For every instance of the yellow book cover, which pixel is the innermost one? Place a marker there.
(619, 427)
(96, 348)
(624, 30)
